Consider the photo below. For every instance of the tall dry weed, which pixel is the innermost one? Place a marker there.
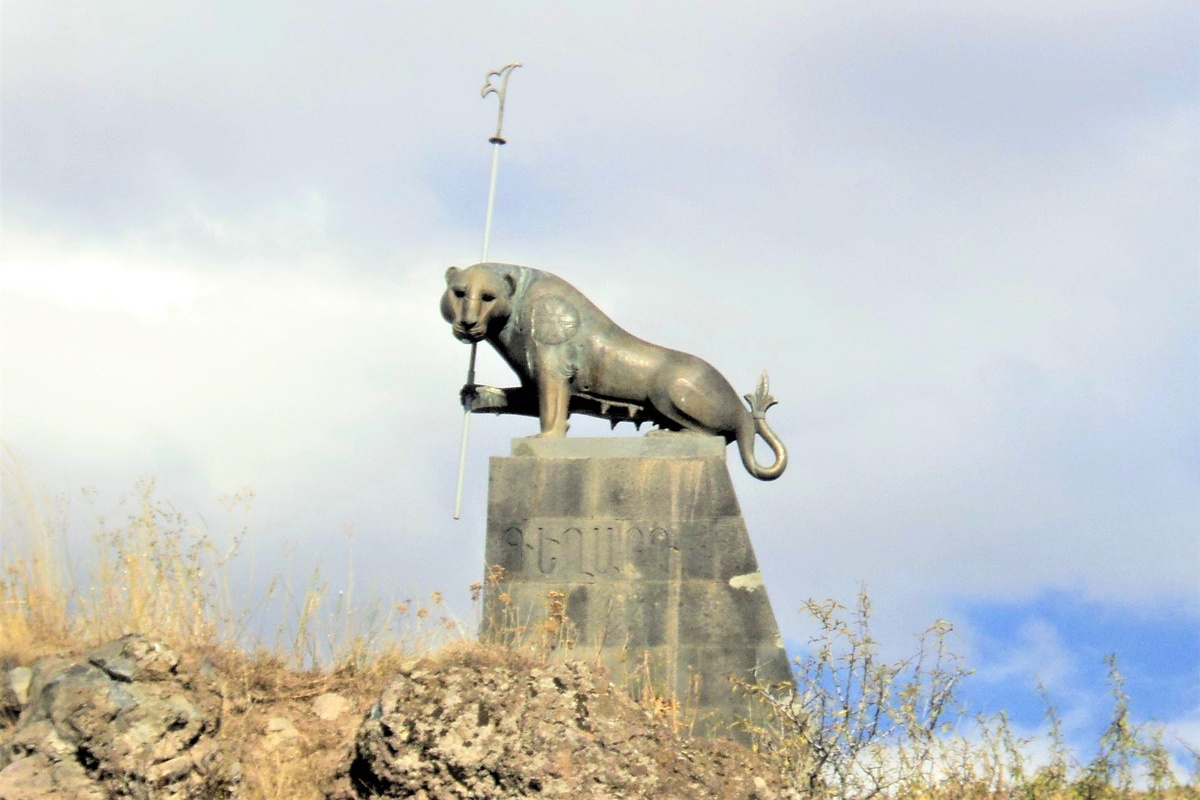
(151, 570)
(155, 574)
(35, 586)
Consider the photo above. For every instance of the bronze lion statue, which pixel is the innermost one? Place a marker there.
(571, 358)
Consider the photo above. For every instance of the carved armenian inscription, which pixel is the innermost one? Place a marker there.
(585, 551)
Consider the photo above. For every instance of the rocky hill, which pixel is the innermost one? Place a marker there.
(135, 719)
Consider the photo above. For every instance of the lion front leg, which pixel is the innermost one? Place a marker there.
(554, 397)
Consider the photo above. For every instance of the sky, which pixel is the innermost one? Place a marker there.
(964, 239)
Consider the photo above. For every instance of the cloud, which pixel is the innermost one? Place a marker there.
(87, 285)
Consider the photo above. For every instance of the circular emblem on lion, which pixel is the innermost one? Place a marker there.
(554, 320)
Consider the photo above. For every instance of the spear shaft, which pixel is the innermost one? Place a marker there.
(496, 141)
(462, 445)
(491, 204)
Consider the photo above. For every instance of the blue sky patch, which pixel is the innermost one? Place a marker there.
(1063, 640)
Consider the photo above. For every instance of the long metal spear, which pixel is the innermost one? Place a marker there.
(496, 140)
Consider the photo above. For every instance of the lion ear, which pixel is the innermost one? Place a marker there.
(451, 273)
(511, 282)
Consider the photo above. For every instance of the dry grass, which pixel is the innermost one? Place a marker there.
(554, 636)
(262, 687)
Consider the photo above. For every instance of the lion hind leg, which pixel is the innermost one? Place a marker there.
(692, 409)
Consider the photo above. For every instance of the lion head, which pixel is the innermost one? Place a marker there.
(477, 301)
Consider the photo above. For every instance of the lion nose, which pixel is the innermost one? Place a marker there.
(470, 315)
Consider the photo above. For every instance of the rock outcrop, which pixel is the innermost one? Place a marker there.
(487, 724)
(131, 720)
(122, 722)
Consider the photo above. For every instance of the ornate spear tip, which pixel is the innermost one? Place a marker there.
(500, 91)
(502, 73)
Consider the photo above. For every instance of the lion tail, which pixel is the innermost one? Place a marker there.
(754, 424)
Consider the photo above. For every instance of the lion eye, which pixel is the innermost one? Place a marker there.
(487, 298)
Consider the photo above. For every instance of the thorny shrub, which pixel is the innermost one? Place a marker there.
(854, 727)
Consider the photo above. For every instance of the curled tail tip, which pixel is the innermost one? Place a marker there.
(761, 399)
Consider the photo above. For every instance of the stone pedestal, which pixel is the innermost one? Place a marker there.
(632, 552)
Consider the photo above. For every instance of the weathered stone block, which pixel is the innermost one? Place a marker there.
(632, 551)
